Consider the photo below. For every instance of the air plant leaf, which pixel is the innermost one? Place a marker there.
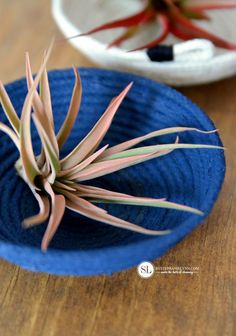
(80, 174)
(45, 96)
(80, 201)
(156, 148)
(104, 196)
(9, 110)
(58, 204)
(44, 210)
(164, 22)
(48, 149)
(36, 103)
(110, 166)
(131, 21)
(42, 111)
(88, 190)
(146, 202)
(81, 206)
(59, 185)
(96, 135)
(27, 154)
(70, 172)
(206, 6)
(56, 183)
(129, 158)
(130, 32)
(72, 112)
(131, 143)
(174, 16)
(11, 134)
(196, 31)
(181, 34)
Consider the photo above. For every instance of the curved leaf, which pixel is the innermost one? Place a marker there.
(11, 134)
(57, 211)
(44, 209)
(9, 110)
(73, 111)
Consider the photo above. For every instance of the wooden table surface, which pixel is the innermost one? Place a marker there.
(124, 304)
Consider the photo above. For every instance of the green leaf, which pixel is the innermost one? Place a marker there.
(106, 167)
(156, 148)
(146, 202)
(100, 195)
(131, 143)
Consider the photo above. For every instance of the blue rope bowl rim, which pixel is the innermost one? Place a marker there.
(85, 247)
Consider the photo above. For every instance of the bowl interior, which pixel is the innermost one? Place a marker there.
(102, 11)
(190, 177)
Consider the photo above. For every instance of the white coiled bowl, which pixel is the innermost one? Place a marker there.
(76, 16)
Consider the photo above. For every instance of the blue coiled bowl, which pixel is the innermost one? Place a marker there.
(85, 247)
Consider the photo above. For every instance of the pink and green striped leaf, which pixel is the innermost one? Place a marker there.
(27, 154)
(58, 205)
(82, 207)
(89, 144)
(9, 110)
(131, 143)
(73, 111)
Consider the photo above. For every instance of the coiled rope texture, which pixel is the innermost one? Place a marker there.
(85, 247)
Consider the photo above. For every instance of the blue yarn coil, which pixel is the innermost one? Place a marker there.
(85, 247)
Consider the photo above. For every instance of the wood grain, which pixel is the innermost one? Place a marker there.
(124, 304)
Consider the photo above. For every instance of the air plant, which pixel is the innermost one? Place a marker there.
(56, 182)
(174, 16)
